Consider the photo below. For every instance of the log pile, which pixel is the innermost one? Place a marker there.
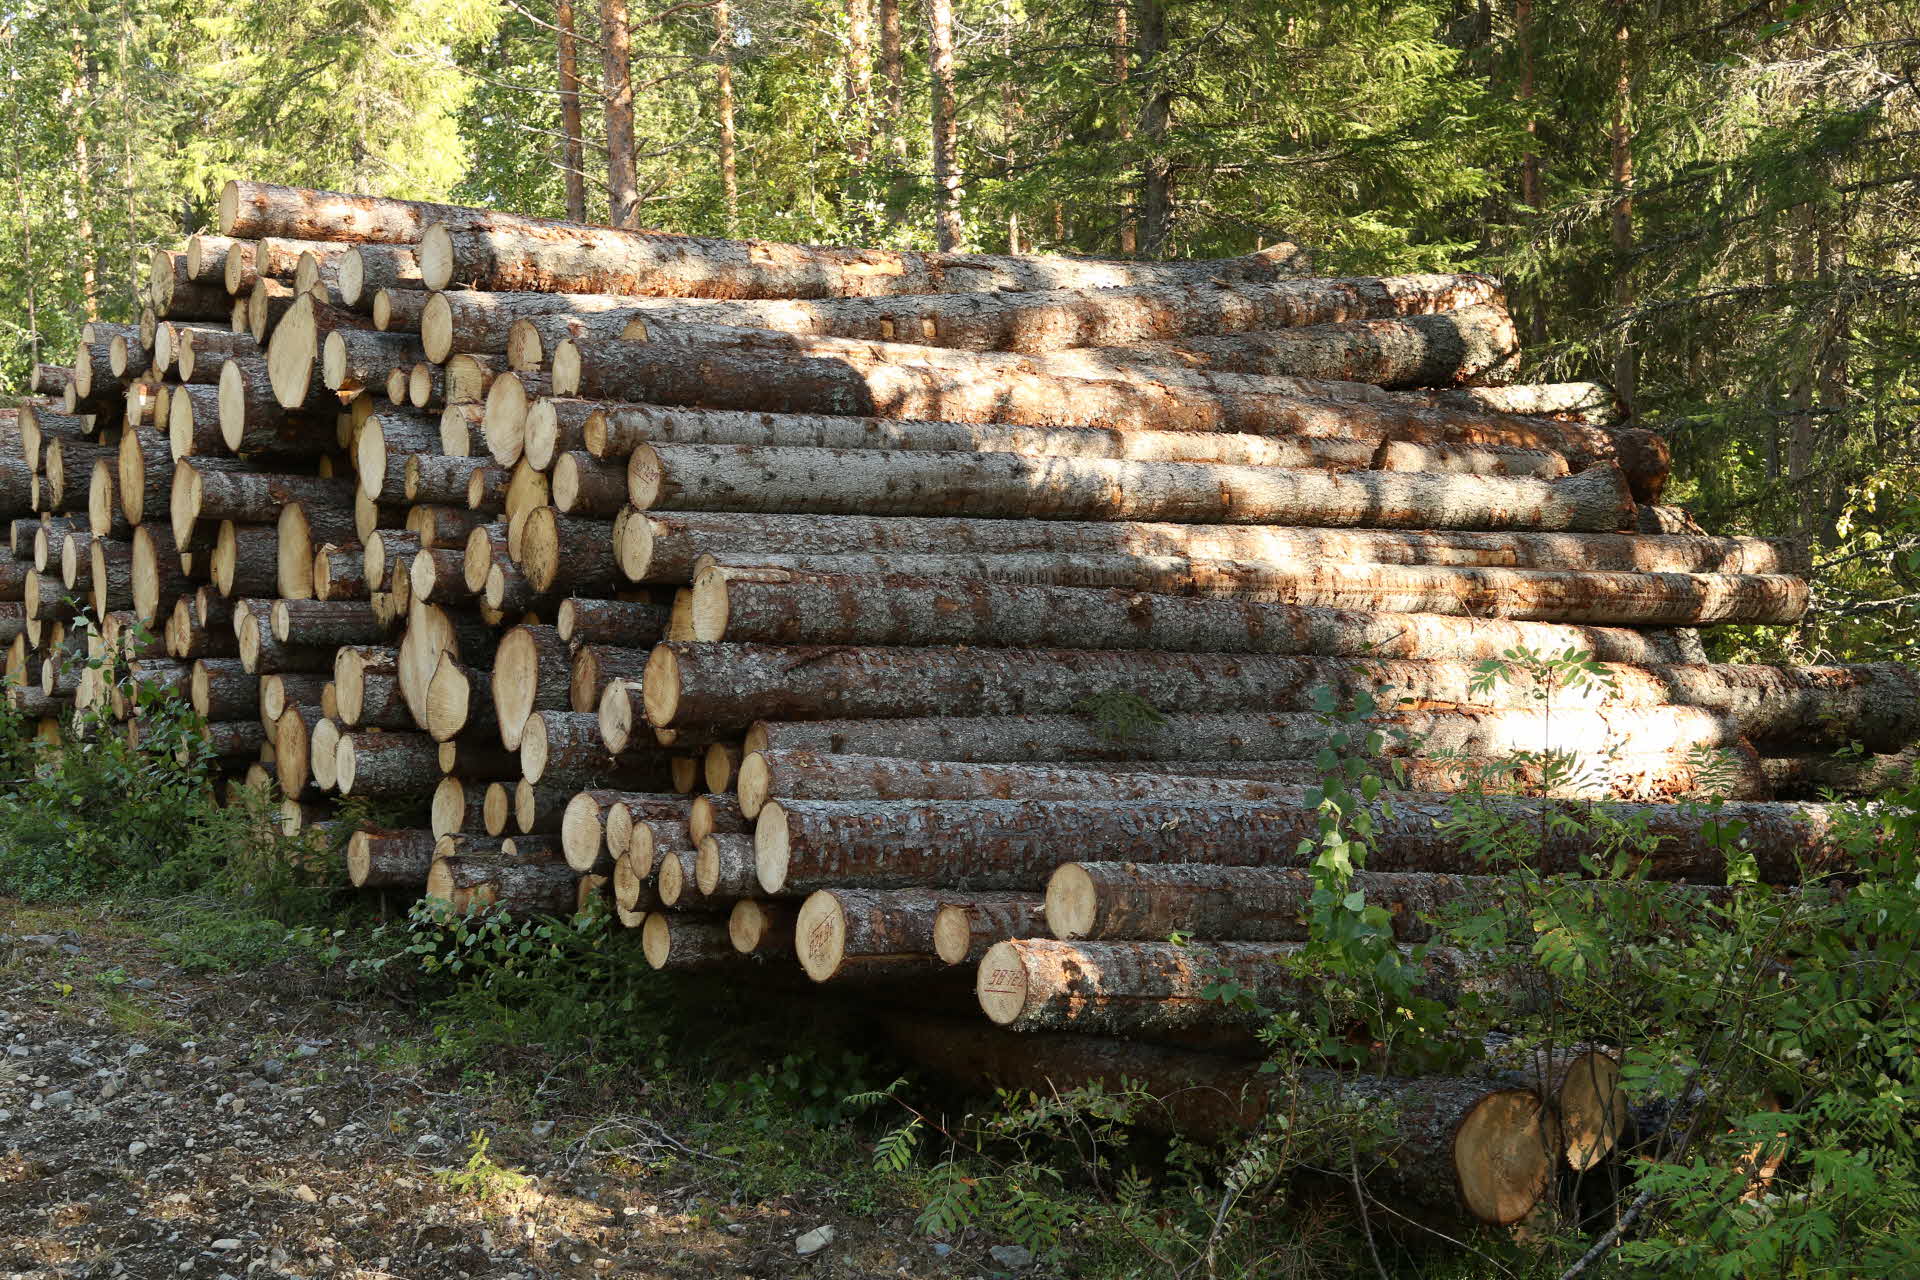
(903, 616)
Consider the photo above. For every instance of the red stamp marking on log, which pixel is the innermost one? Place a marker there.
(1005, 981)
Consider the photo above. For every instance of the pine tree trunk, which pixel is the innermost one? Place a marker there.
(948, 230)
(1475, 345)
(617, 91)
(723, 89)
(1156, 122)
(573, 165)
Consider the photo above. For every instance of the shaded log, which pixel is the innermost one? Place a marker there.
(380, 859)
(246, 559)
(564, 749)
(353, 360)
(678, 940)
(387, 764)
(1013, 844)
(855, 933)
(761, 928)
(469, 885)
(967, 926)
(630, 624)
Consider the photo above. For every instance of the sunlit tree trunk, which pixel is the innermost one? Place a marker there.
(947, 230)
(1626, 363)
(860, 76)
(893, 70)
(573, 152)
(723, 75)
(1122, 49)
(1530, 160)
(1156, 121)
(84, 79)
(616, 42)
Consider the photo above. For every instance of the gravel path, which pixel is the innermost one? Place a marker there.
(156, 1123)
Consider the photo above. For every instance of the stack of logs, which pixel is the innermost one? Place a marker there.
(823, 606)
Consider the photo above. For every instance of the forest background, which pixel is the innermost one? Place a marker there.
(1713, 206)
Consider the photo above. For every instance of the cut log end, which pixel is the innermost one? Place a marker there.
(582, 833)
(772, 848)
(1001, 983)
(820, 936)
(1072, 902)
(1503, 1155)
(1593, 1110)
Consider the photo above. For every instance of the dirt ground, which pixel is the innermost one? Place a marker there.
(155, 1122)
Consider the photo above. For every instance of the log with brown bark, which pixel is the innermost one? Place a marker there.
(387, 764)
(367, 681)
(458, 806)
(209, 489)
(561, 258)
(1384, 610)
(631, 624)
(855, 933)
(1013, 844)
(366, 269)
(568, 556)
(564, 749)
(339, 573)
(1458, 1146)
(205, 351)
(746, 370)
(731, 685)
(294, 351)
(684, 940)
(383, 859)
(352, 360)
(583, 485)
(969, 924)
(265, 653)
(665, 547)
(246, 559)
(761, 928)
(616, 430)
(293, 747)
(250, 210)
(470, 884)
(326, 623)
(253, 421)
(223, 689)
(1475, 344)
(455, 702)
(149, 580)
(302, 529)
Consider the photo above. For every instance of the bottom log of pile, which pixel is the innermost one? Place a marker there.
(1461, 1146)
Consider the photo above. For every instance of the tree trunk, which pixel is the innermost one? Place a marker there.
(573, 164)
(966, 926)
(616, 38)
(628, 813)
(567, 556)
(723, 91)
(1014, 844)
(379, 859)
(223, 689)
(893, 70)
(1156, 122)
(875, 481)
(1626, 361)
(326, 623)
(251, 210)
(206, 351)
(948, 231)
(799, 607)
(339, 573)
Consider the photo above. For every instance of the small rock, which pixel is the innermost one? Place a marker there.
(429, 1142)
(813, 1241)
(228, 1243)
(142, 984)
(541, 1129)
(306, 1194)
(72, 950)
(941, 1249)
(1011, 1255)
(273, 1068)
(59, 1101)
(736, 1228)
(307, 1051)
(136, 1148)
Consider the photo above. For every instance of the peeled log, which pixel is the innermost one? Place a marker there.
(1014, 844)
(745, 372)
(665, 546)
(378, 859)
(797, 606)
(1456, 1145)
(875, 481)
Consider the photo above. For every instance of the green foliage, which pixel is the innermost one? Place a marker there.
(481, 1177)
